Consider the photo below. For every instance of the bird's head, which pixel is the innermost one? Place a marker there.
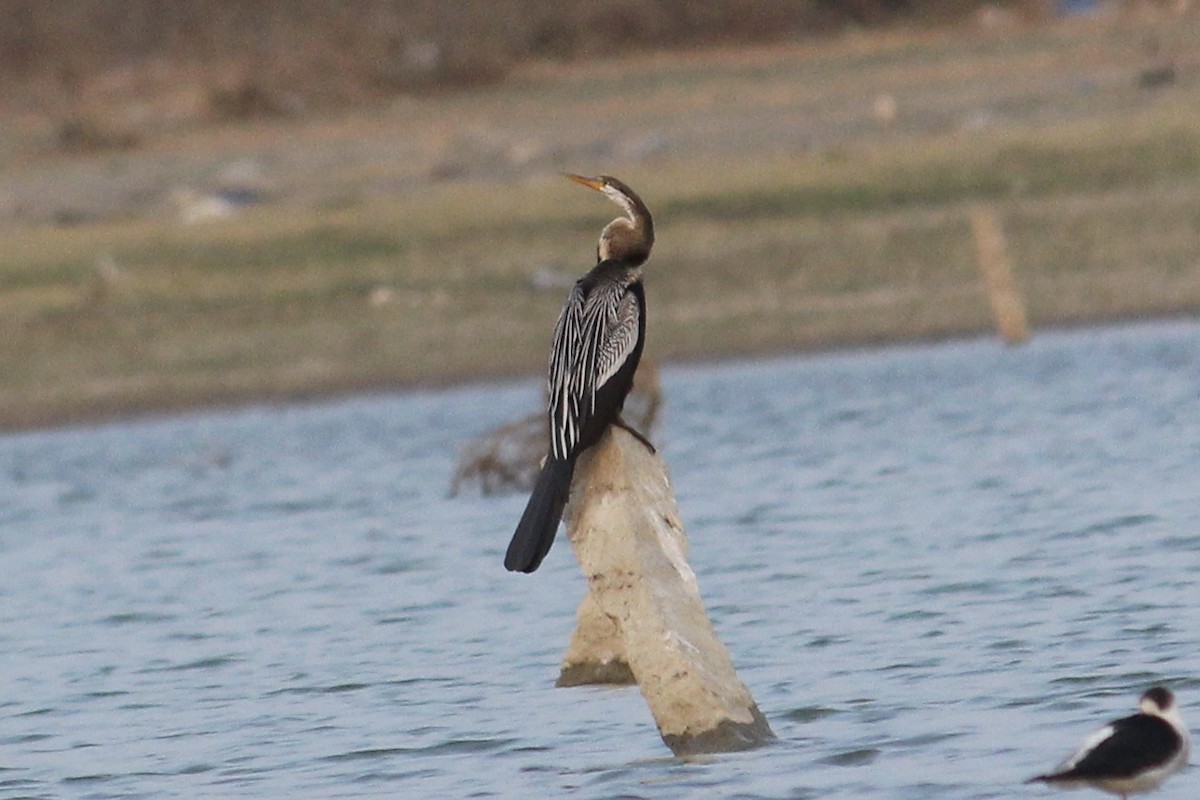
(628, 238)
(1157, 701)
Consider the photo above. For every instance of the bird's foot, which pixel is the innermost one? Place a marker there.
(620, 423)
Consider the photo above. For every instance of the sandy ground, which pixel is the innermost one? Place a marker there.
(190, 322)
(631, 115)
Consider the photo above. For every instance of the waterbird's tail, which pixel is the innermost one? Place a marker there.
(539, 524)
(1050, 777)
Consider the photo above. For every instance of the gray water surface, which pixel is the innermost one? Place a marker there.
(937, 569)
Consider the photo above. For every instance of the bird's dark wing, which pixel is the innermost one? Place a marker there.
(563, 383)
(596, 333)
(1135, 744)
(622, 337)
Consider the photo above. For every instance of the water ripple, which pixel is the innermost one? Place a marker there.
(857, 757)
(959, 554)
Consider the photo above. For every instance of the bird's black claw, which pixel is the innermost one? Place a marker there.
(620, 423)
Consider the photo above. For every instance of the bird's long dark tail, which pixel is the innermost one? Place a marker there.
(539, 524)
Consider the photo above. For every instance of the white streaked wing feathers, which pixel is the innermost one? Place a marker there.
(593, 338)
(564, 399)
(621, 338)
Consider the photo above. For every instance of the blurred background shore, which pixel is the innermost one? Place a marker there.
(218, 202)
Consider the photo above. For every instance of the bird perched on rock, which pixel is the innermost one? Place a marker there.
(597, 345)
(1130, 755)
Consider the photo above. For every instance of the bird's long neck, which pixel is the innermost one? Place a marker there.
(627, 238)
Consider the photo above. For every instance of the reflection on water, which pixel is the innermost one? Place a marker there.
(936, 567)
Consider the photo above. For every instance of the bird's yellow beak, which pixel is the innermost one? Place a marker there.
(591, 183)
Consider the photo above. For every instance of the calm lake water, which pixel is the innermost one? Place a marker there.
(937, 568)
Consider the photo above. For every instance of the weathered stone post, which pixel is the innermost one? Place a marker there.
(643, 620)
(1007, 305)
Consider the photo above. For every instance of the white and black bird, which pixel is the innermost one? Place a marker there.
(1130, 755)
(597, 345)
